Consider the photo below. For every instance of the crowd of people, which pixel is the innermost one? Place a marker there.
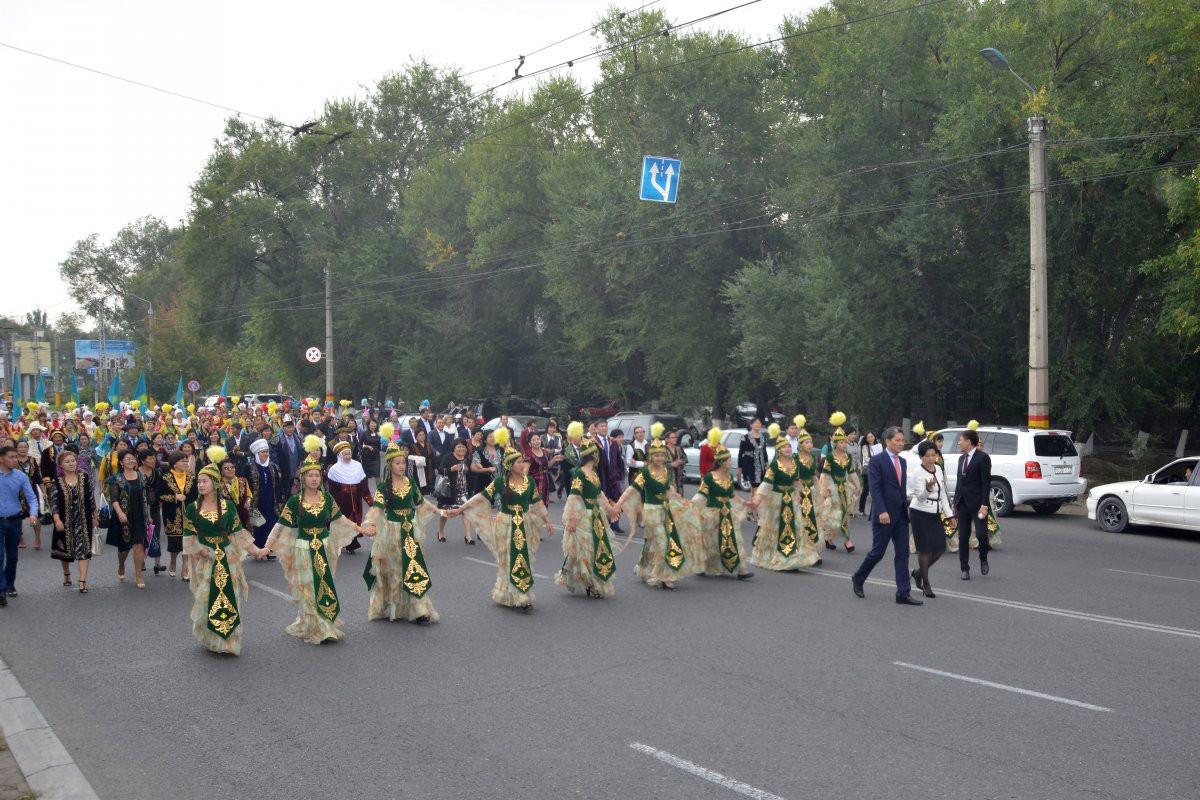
(303, 485)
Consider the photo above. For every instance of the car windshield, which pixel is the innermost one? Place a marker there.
(1051, 445)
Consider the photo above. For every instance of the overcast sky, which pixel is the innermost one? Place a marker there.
(81, 153)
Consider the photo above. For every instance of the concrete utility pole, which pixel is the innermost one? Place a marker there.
(1039, 313)
(328, 333)
(1039, 298)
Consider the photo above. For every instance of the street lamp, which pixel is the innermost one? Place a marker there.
(1039, 326)
(149, 321)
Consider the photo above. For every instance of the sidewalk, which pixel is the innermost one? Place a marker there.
(12, 782)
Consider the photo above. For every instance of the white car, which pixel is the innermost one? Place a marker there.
(732, 439)
(1169, 497)
(1029, 465)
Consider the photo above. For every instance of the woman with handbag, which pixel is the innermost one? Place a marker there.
(127, 493)
(451, 487)
(485, 462)
(421, 464)
(73, 505)
(929, 504)
(148, 465)
(177, 488)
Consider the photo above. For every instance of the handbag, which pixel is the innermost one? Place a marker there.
(257, 519)
(443, 488)
(97, 543)
(106, 516)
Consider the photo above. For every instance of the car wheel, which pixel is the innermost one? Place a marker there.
(1001, 498)
(1045, 509)
(1112, 516)
(743, 484)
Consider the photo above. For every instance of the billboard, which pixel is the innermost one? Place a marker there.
(118, 353)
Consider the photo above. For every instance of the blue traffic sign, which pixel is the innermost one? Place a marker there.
(660, 179)
(91, 370)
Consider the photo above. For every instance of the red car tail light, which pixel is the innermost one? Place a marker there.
(1033, 469)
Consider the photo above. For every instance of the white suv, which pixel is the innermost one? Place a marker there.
(1029, 465)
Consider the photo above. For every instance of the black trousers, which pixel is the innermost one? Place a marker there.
(866, 490)
(968, 517)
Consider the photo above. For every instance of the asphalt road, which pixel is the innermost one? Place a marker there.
(784, 686)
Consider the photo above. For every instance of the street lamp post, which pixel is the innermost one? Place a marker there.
(1039, 326)
(149, 324)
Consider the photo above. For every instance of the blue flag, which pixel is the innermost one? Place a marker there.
(179, 393)
(16, 393)
(225, 385)
(139, 391)
(74, 389)
(114, 390)
(40, 395)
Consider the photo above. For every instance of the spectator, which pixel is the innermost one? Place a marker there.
(752, 456)
(485, 463)
(869, 448)
(422, 462)
(455, 468)
(676, 460)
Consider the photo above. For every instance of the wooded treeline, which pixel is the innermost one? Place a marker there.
(851, 231)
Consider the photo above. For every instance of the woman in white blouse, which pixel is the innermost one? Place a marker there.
(927, 504)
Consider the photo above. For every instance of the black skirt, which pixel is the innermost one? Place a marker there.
(928, 531)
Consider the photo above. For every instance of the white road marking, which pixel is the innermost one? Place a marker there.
(1151, 575)
(493, 563)
(1003, 686)
(704, 773)
(1084, 616)
(271, 590)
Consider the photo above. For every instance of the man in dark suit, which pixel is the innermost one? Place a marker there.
(971, 501)
(441, 438)
(888, 479)
(288, 452)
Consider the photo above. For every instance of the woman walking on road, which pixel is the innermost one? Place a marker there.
(806, 491)
(839, 488)
(485, 463)
(588, 559)
(73, 504)
(29, 466)
(308, 537)
(127, 493)
(216, 544)
(514, 533)
(869, 448)
(752, 457)
(720, 513)
(456, 470)
(779, 545)
(928, 507)
(396, 574)
(152, 477)
(176, 489)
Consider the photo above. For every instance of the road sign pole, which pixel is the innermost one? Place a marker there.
(328, 334)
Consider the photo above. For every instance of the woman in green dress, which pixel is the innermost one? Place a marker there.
(806, 492)
(516, 530)
(672, 548)
(216, 544)
(720, 513)
(780, 543)
(308, 537)
(839, 487)
(588, 558)
(396, 575)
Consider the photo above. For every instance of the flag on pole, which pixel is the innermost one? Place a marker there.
(39, 396)
(16, 394)
(139, 391)
(179, 393)
(114, 390)
(225, 385)
(74, 389)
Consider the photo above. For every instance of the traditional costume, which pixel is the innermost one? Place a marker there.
(75, 506)
(806, 496)
(672, 548)
(720, 513)
(174, 482)
(514, 533)
(216, 544)
(308, 539)
(588, 558)
(264, 483)
(396, 574)
(348, 484)
(840, 485)
(780, 543)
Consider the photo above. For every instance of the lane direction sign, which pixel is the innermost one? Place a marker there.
(660, 179)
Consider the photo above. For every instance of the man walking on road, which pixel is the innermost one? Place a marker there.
(889, 516)
(13, 485)
(971, 501)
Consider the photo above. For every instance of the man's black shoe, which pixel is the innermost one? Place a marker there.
(983, 567)
(909, 601)
(858, 589)
(966, 574)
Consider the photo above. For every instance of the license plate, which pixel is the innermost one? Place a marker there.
(1062, 470)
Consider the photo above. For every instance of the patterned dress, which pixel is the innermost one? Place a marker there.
(779, 543)
(75, 506)
(588, 559)
(806, 469)
(217, 544)
(133, 499)
(513, 536)
(720, 513)
(840, 485)
(171, 484)
(308, 538)
(673, 548)
(396, 574)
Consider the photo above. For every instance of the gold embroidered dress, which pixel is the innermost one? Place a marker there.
(308, 539)
(719, 513)
(588, 559)
(513, 536)
(672, 548)
(216, 545)
(396, 574)
(838, 494)
(780, 543)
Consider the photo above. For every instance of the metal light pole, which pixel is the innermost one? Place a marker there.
(1039, 324)
(328, 334)
(149, 326)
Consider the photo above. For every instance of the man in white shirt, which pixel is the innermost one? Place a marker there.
(635, 452)
(793, 437)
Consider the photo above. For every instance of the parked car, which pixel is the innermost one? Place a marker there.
(518, 423)
(732, 439)
(626, 421)
(1169, 497)
(270, 397)
(1031, 466)
(745, 413)
(488, 408)
(598, 409)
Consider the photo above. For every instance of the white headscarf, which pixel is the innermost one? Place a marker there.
(350, 472)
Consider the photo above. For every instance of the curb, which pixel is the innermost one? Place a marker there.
(48, 767)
